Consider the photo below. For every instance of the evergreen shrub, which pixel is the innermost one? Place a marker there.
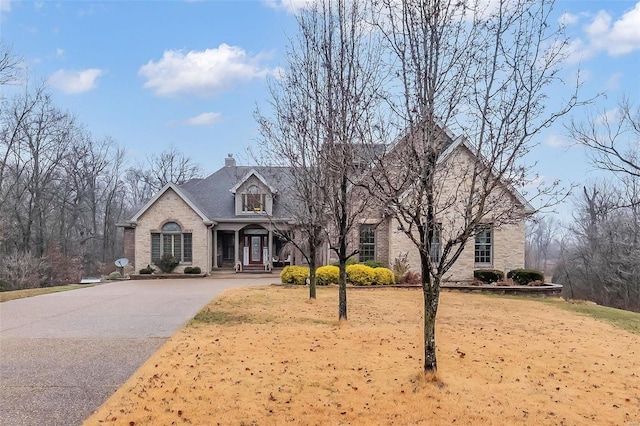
(167, 263)
(525, 276)
(488, 276)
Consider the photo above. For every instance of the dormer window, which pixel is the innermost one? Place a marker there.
(253, 200)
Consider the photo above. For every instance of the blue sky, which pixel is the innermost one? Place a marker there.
(152, 74)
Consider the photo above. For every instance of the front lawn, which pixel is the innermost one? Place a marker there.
(21, 294)
(262, 356)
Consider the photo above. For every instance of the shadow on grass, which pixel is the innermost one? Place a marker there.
(207, 316)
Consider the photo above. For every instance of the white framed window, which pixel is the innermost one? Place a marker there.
(172, 241)
(367, 243)
(484, 245)
(436, 243)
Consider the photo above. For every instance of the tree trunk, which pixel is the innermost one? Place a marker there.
(431, 293)
(312, 271)
(342, 292)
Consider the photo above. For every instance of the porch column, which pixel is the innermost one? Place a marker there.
(215, 248)
(270, 247)
(236, 252)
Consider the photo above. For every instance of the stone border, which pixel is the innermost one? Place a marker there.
(546, 290)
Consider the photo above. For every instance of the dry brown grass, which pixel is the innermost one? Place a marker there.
(264, 356)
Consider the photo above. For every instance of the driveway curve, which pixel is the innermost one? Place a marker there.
(63, 354)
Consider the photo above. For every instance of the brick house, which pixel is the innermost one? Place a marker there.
(231, 219)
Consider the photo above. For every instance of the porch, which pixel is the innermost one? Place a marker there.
(248, 248)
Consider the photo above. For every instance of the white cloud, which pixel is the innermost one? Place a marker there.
(203, 73)
(5, 5)
(557, 141)
(74, 82)
(610, 116)
(617, 38)
(59, 51)
(291, 6)
(204, 119)
(568, 19)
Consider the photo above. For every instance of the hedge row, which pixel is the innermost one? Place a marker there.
(357, 274)
(519, 276)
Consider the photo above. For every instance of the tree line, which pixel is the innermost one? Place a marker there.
(596, 253)
(62, 190)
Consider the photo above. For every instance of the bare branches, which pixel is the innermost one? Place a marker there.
(613, 137)
(473, 80)
(599, 259)
(324, 107)
(9, 66)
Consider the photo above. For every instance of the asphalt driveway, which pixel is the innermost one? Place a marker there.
(63, 354)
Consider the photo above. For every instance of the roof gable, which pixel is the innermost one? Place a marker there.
(180, 194)
(464, 142)
(253, 172)
(453, 143)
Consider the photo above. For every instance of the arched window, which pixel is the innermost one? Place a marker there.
(171, 241)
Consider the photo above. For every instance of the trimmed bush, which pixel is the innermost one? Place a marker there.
(192, 270)
(359, 274)
(167, 263)
(488, 276)
(115, 275)
(383, 276)
(373, 264)
(294, 275)
(146, 271)
(326, 275)
(525, 276)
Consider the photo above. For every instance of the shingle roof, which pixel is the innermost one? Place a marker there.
(212, 194)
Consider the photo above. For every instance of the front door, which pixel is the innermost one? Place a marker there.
(255, 250)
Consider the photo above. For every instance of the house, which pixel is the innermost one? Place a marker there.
(227, 219)
(232, 219)
(499, 241)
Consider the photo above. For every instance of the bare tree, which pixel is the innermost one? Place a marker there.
(542, 242)
(170, 165)
(323, 115)
(58, 186)
(613, 138)
(291, 139)
(479, 71)
(37, 137)
(599, 261)
(9, 66)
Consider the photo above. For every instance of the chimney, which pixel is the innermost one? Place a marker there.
(229, 161)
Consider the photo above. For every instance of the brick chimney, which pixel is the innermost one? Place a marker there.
(229, 161)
